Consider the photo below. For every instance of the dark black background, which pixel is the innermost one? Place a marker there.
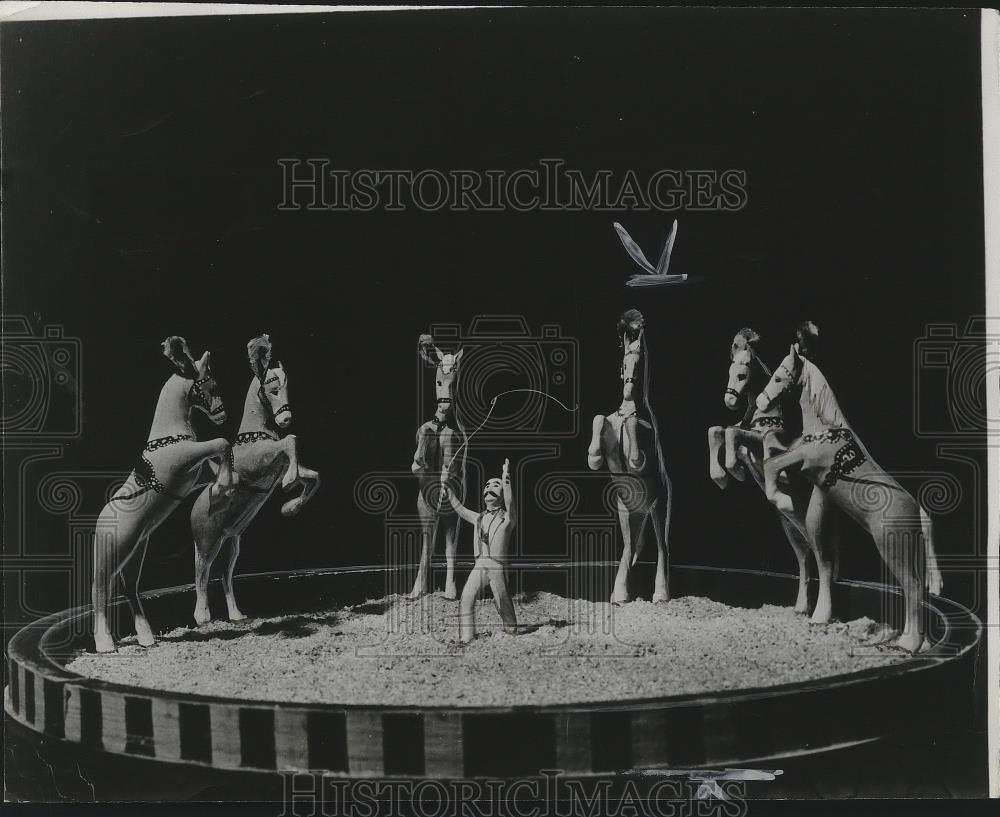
(141, 189)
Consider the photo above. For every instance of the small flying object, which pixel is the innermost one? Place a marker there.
(652, 276)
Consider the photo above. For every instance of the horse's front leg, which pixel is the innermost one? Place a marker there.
(735, 437)
(716, 438)
(310, 484)
(635, 457)
(289, 447)
(595, 455)
(217, 455)
(773, 466)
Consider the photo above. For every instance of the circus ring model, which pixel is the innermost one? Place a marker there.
(115, 741)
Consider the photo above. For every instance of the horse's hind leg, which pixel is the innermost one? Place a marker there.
(106, 563)
(206, 547)
(227, 579)
(800, 546)
(202, 568)
(631, 524)
(817, 525)
(131, 573)
(661, 512)
(905, 546)
(450, 550)
(422, 584)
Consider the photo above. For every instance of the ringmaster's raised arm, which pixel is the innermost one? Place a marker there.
(493, 527)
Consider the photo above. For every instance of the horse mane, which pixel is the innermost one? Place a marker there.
(750, 339)
(757, 380)
(807, 338)
(821, 397)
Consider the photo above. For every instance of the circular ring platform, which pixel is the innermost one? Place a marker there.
(712, 730)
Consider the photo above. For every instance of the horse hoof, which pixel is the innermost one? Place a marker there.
(143, 633)
(661, 598)
(783, 502)
(238, 616)
(291, 508)
(415, 595)
(822, 618)
(910, 643)
(451, 595)
(104, 644)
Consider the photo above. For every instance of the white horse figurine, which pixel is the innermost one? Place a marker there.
(261, 458)
(742, 447)
(627, 443)
(171, 466)
(438, 440)
(831, 457)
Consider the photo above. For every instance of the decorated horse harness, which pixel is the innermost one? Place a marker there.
(145, 473)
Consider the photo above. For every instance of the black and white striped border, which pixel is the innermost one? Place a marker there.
(726, 729)
(360, 742)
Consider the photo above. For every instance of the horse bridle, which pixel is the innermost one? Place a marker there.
(627, 380)
(197, 394)
(759, 362)
(267, 404)
(791, 381)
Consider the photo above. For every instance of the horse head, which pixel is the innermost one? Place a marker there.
(742, 354)
(787, 375)
(447, 370)
(203, 393)
(630, 327)
(273, 382)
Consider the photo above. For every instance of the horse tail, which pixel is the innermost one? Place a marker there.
(932, 575)
(660, 462)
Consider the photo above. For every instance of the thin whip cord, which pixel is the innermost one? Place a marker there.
(493, 404)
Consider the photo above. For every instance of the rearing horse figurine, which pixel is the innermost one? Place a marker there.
(831, 456)
(171, 466)
(743, 449)
(438, 441)
(261, 457)
(627, 442)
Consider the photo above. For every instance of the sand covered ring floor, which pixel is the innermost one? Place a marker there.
(396, 652)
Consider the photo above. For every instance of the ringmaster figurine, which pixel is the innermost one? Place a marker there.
(493, 527)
